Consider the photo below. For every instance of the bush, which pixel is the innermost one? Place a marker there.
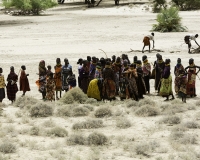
(64, 111)
(147, 101)
(57, 132)
(74, 95)
(187, 4)
(172, 109)
(30, 6)
(131, 103)
(34, 131)
(146, 111)
(97, 139)
(171, 120)
(88, 106)
(102, 112)
(76, 139)
(179, 128)
(142, 149)
(188, 139)
(80, 111)
(90, 101)
(7, 147)
(88, 124)
(123, 123)
(158, 5)
(25, 102)
(169, 21)
(191, 124)
(41, 109)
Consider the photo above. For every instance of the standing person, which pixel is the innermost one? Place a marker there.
(140, 81)
(66, 70)
(166, 82)
(179, 67)
(183, 85)
(42, 79)
(146, 41)
(57, 77)
(84, 76)
(188, 39)
(109, 88)
(48, 71)
(2, 85)
(191, 84)
(12, 85)
(159, 66)
(71, 79)
(98, 73)
(50, 88)
(92, 68)
(80, 63)
(23, 81)
(146, 72)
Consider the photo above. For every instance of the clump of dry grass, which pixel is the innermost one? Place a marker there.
(102, 112)
(131, 103)
(76, 139)
(179, 128)
(197, 116)
(142, 148)
(64, 111)
(97, 139)
(171, 109)
(147, 110)
(25, 102)
(49, 123)
(191, 124)
(7, 147)
(90, 123)
(34, 131)
(171, 120)
(175, 136)
(88, 106)
(147, 101)
(80, 111)
(123, 123)
(57, 132)
(74, 95)
(197, 103)
(91, 101)
(41, 109)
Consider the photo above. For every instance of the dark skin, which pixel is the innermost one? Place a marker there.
(149, 46)
(189, 44)
(24, 68)
(58, 62)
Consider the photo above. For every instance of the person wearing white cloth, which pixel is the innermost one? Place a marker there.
(188, 39)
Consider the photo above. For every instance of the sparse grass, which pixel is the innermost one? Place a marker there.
(97, 139)
(179, 128)
(147, 101)
(188, 139)
(34, 131)
(102, 112)
(123, 123)
(88, 106)
(197, 103)
(142, 148)
(197, 116)
(41, 109)
(76, 139)
(7, 147)
(91, 101)
(9, 129)
(131, 103)
(49, 123)
(19, 114)
(171, 109)
(74, 95)
(171, 120)
(57, 132)
(147, 110)
(25, 102)
(80, 111)
(25, 119)
(90, 123)
(64, 111)
(191, 124)
(175, 136)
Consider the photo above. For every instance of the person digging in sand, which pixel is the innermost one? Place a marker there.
(188, 39)
(146, 41)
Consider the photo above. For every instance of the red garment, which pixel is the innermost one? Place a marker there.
(24, 83)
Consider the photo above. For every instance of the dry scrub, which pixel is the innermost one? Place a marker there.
(123, 123)
(102, 112)
(97, 139)
(41, 109)
(25, 102)
(90, 123)
(147, 110)
(57, 132)
(171, 120)
(80, 111)
(7, 147)
(76, 139)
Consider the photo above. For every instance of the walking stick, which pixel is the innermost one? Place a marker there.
(104, 52)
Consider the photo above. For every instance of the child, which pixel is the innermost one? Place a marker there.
(50, 87)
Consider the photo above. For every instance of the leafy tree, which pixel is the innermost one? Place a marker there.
(158, 5)
(187, 4)
(169, 21)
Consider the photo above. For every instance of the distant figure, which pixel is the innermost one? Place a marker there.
(50, 88)
(23, 81)
(146, 72)
(177, 70)
(146, 41)
(48, 71)
(42, 79)
(57, 77)
(2, 86)
(12, 85)
(188, 39)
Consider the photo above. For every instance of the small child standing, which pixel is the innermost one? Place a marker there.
(2, 86)
(50, 87)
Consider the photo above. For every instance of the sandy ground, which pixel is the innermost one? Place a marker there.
(73, 31)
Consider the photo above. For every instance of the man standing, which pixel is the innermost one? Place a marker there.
(188, 39)
(146, 41)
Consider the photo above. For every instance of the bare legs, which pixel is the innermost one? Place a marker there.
(144, 47)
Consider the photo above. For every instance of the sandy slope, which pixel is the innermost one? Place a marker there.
(74, 32)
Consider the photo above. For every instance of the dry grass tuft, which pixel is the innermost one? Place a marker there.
(97, 139)
(80, 111)
(49, 123)
(41, 109)
(25, 102)
(147, 110)
(34, 131)
(179, 128)
(7, 147)
(197, 103)
(88, 106)
(74, 95)
(175, 136)
(147, 101)
(91, 101)
(76, 139)
(191, 124)
(131, 103)
(142, 149)
(171, 109)
(57, 132)
(171, 120)
(90, 123)
(123, 123)
(102, 112)
(64, 111)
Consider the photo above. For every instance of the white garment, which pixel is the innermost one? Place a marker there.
(192, 37)
(151, 37)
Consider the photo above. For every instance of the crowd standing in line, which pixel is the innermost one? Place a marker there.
(106, 78)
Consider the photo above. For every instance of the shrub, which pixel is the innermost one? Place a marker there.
(64, 111)
(90, 107)
(30, 6)
(74, 95)
(7, 147)
(171, 120)
(158, 5)
(176, 136)
(142, 148)
(147, 101)
(172, 109)
(41, 109)
(88, 124)
(76, 139)
(97, 139)
(49, 123)
(131, 103)
(123, 123)
(80, 111)
(90, 101)
(188, 139)
(25, 102)
(191, 124)
(187, 4)
(57, 132)
(179, 128)
(169, 21)
(146, 111)
(102, 112)
(34, 131)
